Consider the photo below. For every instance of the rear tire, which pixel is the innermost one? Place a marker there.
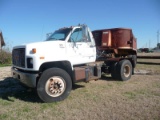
(134, 58)
(54, 85)
(124, 70)
(114, 70)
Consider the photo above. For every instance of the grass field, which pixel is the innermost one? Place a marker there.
(105, 99)
(149, 61)
(149, 54)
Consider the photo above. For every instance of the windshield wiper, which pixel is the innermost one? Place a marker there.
(51, 39)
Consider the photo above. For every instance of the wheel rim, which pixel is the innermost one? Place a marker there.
(55, 86)
(126, 71)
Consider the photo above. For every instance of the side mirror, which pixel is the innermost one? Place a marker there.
(47, 35)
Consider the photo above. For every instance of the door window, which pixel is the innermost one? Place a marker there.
(76, 35)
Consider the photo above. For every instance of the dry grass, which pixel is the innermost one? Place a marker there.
(151, 65)
(153, 69)
(5, 57)
(149, 54)
(149, 61)
(138, 98)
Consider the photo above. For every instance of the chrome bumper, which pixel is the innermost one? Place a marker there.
(28, 79)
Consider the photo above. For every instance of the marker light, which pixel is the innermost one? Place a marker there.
(41, 57)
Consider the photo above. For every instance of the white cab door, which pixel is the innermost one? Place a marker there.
(80, 50)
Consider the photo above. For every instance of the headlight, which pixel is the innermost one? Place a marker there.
(29, 62)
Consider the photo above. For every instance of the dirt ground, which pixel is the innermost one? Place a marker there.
(7, 83)
(5, 72)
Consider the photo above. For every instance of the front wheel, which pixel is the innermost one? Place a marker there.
(124, 70)
(54, 85)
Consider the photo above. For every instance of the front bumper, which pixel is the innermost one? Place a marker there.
(29, 79)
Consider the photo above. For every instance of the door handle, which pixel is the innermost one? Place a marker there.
(92, 46)
(78, 44)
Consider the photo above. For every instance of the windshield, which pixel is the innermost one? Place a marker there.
(59, 35)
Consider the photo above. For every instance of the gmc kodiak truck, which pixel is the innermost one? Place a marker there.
(74, 54)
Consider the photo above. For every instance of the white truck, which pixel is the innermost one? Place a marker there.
(70, 55)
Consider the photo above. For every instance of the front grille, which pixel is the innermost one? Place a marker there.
(18, 57)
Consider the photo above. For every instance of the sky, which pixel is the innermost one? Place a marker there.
(26, 21)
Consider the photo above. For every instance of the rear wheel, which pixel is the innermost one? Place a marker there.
(134, 58)
(124, 70)
(114, 70)
(54, 85)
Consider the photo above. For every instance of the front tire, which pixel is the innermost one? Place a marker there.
(54, 85)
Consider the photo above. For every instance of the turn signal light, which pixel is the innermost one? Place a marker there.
(34, 50)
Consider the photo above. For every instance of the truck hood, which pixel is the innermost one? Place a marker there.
(43, 44)
(47, 44)
(44, 48)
